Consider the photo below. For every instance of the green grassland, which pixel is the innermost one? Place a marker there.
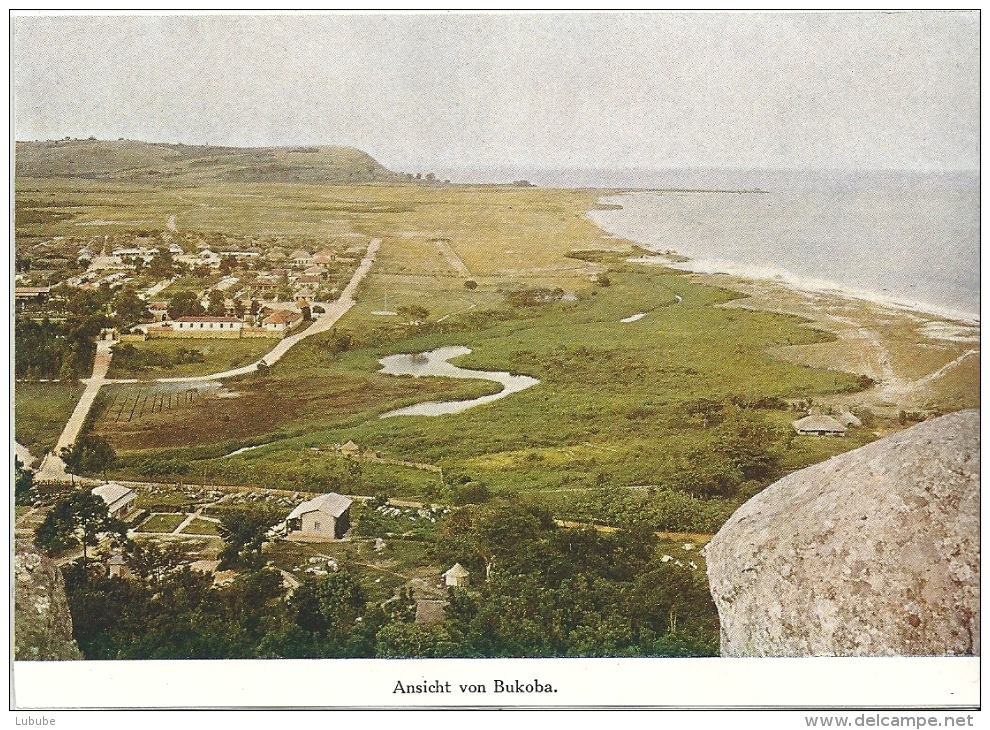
(202, 527)
(618, 404)
(161, 523)
(163, 358)
(40, 413)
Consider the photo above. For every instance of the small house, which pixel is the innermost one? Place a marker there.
(819, 425)
(281, 320)
(324, 257)
(301, 257)
(326, 517)
(457, 577)
(309, 280)
(119, 499)
(849, 420)
(159, 311)
(118, 567)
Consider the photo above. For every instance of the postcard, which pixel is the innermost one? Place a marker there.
(496, 360)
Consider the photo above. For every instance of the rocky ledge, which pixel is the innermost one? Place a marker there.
(42, 624)
(875, 552)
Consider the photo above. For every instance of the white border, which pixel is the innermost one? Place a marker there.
(922, 682)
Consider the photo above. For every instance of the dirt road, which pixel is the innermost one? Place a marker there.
(52, 467)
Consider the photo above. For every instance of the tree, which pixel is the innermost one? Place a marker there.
(752, 444)
(185, 304)
(243, 533)
(152, 562)
(489, 534)
(411, 640)
(23, 484)
(89, 454)
(217, 307)
(129, 308)
(331, 610)
(414, 312)
(80, 518)
(162, 265)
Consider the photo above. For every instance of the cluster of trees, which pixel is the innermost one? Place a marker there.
(539, 590)
(171, 612)
(63, 350)
(65, 345)
(551, 591)
(81, 518)
(657, 508)
(185, 304)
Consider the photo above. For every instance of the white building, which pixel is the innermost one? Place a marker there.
(207, 324)
(326, 517)
(119, 499)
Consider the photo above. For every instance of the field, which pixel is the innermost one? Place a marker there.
(161, 523)
(613, 398)
(40, 413)
(664, 401)
(210, 356)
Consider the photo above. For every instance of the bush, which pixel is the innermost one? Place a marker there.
(469, 493)
(534, 297)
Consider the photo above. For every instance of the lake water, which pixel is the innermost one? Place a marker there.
(434, 364)
(908, 239)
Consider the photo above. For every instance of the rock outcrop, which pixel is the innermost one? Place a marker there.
(42, 624)
(875, 552)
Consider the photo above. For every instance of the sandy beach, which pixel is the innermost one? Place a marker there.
(917, 360)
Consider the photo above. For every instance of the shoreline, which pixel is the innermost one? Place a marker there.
(792, 282)
(918, 359)
(757, 273)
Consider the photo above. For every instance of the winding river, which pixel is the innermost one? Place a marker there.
(434, 364)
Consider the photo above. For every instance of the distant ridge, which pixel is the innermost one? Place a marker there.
(160, 162)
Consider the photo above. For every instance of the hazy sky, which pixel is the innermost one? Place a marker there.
(528, 91)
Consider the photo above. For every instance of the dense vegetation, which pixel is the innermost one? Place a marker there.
(61, 343)
(549, 591)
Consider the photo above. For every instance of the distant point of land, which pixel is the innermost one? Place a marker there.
(159, 162)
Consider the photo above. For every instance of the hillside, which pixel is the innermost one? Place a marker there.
(156, 162)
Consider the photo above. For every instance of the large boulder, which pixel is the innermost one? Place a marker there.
(42, 624)
(875, 552)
